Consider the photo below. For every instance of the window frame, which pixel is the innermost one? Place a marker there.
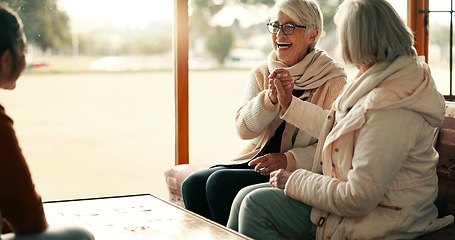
(181, 45)
(418, 22)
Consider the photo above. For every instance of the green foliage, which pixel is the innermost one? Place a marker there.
(251, 2)
(210, 6)
(44, 24)
(203, 10)
(219, 43)
(329, 8)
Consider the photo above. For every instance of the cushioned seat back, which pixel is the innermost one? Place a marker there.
(445, 146)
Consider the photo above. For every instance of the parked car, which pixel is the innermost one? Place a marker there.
(244, 58)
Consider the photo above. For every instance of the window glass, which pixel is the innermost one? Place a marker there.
(227, 38)
(439, 45)
(401, 7)
(94, 110)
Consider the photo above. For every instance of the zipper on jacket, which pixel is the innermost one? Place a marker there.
(322, 219)
(390, 207)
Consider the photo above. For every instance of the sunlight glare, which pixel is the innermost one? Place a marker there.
(122, 14)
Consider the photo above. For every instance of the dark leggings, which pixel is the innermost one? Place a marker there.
(210, 192)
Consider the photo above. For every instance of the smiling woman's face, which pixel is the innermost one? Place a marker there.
(290, 49)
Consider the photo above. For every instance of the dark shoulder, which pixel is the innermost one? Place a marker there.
(3, 117)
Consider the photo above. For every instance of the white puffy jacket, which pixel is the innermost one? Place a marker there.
(379, 164)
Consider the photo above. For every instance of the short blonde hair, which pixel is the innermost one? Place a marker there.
(303, 12)
(371, 31)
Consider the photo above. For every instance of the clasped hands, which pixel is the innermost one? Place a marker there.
(281, 84)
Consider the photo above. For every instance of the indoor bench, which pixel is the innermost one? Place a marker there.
(445, 145)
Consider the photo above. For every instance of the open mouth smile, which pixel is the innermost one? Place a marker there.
(283, 45)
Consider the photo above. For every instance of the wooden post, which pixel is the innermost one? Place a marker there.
(181, 39)
(419, 23)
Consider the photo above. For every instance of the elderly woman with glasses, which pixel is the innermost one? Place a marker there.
(296, 27)
(375, 145)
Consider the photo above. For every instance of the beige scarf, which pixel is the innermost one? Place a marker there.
(313, 71)
(362, 84)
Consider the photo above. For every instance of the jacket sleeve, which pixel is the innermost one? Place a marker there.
(306, 116)
(301, 158)
(20, 205)
(256, 112)
(323, 97)
(375, 164)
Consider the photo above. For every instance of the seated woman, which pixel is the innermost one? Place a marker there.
(21, 210)
(295, 27)
(375, 145)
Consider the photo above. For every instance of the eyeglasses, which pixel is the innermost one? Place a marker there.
(287, 28)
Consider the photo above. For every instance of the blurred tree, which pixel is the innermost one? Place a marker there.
(219, 43)
(251, 2)
(329, 8)
(202, 11)
(44, 24)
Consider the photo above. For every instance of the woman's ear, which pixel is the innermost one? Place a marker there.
(313, 35)
(6, 62)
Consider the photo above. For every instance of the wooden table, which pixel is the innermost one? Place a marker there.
(135, 217)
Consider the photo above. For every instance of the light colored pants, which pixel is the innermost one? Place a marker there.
(60, 233)
(262, 212)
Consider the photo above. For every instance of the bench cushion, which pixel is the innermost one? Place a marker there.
(445, 233)
(175, 177)
(446, 165)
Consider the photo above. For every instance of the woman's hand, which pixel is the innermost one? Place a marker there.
(279, 178)
(272, 92)
(281, 84)
(269, 163)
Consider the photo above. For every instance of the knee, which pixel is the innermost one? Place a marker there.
(257, 199)
(192, 183)
(219, 180)
(54, 233)
(241, 195)
(75, 232)
(239, 199)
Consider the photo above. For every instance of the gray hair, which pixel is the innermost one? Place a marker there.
(303, 12)
(371, 31)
